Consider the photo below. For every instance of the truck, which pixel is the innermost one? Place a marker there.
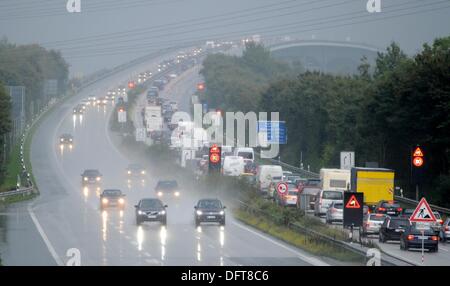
(376, 184)
(153, 118)
(334, 179)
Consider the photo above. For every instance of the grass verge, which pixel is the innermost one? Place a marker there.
(13, 169)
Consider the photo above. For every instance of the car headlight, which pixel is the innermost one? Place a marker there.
(143, 172)
(98, 179)
(85, 178)
(162, 212)
(70, 139)
(177, 194)
(104, 200)
(140, 212)
(62, 140)
(222, 213)
(160, 194)
(199, 212)
(129, 172)
(121, 201)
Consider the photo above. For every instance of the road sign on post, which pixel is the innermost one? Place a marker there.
(215, 161)
(282, 188)
(423, 213)
(353, 209)
(121, 115)
(275, 131)
(347, 160)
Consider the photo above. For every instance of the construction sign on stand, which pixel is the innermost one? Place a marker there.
(353, 209)
(423, 213)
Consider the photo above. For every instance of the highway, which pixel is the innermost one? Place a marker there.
(66, 216)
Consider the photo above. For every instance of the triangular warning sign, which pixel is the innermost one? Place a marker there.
(418, 152)
(353, 203)
(423, 213)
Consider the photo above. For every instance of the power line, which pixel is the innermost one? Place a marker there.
(304, 23)
(113, 40)
(275, 32)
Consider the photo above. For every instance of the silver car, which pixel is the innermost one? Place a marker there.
(372, 224)
(324, 199)
(444, 234)
(335, 212)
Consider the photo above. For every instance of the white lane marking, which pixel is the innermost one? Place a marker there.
(309, 259)
(127, 237)
(147, 254)
(444, 249)
(47, 242)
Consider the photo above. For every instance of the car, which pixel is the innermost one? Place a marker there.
(102, 101)
(415, 238)
(289, 199)
(292, 178)
(92, 99)
(436, 226)
(151, 209)
(78, 110)
(392, 228)
(209, 210)
(407, 213)
(335, 212)
(135, 170)
(112, 198)
(91, 176)
(324, 199)
(307, 197)
(390, 208)
(371, 224)
(444, 234)
(66, 139)
(167, 188)
(85, 103)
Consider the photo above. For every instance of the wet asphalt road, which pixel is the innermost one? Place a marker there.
(66, 216)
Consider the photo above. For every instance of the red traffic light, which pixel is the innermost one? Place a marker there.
(418, 161)
(214, 158)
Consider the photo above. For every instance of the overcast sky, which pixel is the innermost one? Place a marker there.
(109, 32)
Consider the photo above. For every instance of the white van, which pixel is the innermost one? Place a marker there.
(334, 179)
(267, 174)
(233, 166)
(324, 198)
(245, 152)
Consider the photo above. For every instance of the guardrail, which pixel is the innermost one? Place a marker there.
(415, 203)
(24, 192)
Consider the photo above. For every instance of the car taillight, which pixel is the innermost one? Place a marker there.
(446, 228)
(441, 221)
(410, 237)
(434, 237)
(399, 210)
(381, 209)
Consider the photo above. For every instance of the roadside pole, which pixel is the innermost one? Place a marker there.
(423, 239)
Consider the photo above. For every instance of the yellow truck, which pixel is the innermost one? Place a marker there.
(375, 183)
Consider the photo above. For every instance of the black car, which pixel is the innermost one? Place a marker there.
(389, 208)
(135, 170)
(392, 228)
(78, 109)
(65, 139)
(91, 176)
(209, 210)
(167, 188)
(151, 210)
(112, 198)
(407, 213)
(413, 238)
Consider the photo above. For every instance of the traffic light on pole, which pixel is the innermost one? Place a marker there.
(215, 160)
(417, 157)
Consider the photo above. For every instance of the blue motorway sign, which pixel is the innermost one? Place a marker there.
(275, 130)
